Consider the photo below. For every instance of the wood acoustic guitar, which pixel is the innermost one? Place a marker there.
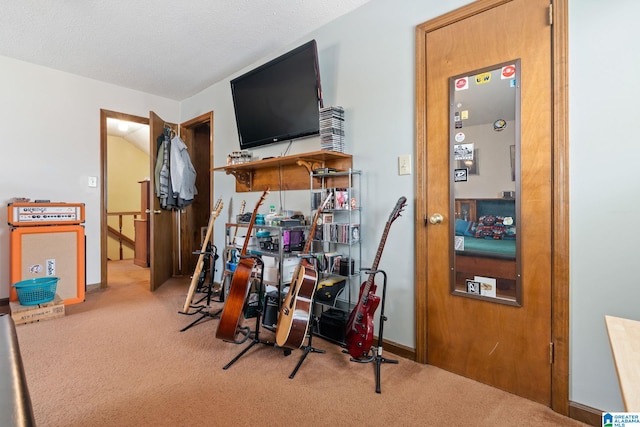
(197, 274)
(295, 312)
(359, 334)
(240, 284)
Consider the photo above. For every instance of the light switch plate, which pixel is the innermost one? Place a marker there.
(404, 164)
(93, 181)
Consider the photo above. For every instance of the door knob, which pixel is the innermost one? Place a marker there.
(436, 218)
(155, 211)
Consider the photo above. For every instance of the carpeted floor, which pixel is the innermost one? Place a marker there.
(119, 359)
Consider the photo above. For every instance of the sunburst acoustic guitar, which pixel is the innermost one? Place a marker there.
(239, 288)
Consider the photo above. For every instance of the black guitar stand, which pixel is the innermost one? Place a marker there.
(314, 322)
(252, 335)
(307, 348)
(377, 352)
(210, 257)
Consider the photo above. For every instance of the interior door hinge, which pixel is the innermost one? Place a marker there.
(551, 353)
(551, 14)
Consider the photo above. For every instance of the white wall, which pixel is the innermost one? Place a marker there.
(50, 125)
(605, 192)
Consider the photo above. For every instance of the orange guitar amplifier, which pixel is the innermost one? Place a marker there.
(46, 239)
(35, 214)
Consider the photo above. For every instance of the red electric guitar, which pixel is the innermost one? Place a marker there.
(295, 312)
(360, 326)
(239, 288)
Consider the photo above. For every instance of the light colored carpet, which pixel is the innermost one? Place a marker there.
(118, 359)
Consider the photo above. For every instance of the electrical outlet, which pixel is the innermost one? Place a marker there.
(404, 164)
(93, 181)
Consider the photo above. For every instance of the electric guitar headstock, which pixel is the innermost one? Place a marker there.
(397, 210)
(217, 209)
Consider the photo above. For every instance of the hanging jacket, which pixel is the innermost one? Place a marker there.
(182, 172)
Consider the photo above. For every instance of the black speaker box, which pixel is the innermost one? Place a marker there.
(333, 324)
(270, 317)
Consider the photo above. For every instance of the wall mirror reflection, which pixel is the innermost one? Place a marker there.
(484, 122)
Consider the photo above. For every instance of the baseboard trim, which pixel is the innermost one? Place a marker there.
(398, 349)
(585, 414)
(93, 288)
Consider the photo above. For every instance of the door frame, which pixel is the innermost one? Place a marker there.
(104, 115)
(187, 130)
(560, 204)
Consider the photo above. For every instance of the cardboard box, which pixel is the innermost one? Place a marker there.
(22, 314)
(269, 261)
(288, 268)
(253, 241)
(270, 274)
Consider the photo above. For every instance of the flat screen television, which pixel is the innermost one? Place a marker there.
(279, 100)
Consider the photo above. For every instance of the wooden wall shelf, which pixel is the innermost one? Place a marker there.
(286, 172)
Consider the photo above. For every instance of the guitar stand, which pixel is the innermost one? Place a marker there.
(314, 319)
(254, 335)
(205, 310)
(307, 349)
(377, 353)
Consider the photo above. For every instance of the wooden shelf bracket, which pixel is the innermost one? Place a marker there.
(243, 177)
(311, 165)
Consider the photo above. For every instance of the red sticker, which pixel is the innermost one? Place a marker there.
(462, 83)
(508, 71)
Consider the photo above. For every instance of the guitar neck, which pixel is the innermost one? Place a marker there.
(376, 260)
(312, 231)
(235, 233)
(243, 252)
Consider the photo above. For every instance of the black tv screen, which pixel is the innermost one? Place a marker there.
(279, 100)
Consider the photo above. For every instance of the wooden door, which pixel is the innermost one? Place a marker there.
(197, 134)
(506, 346)
(161, 242)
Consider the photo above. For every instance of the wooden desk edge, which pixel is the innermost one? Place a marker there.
(624, 338)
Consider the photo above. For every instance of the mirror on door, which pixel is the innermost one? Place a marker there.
(485, 144)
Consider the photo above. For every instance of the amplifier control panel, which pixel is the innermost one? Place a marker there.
(32, 214)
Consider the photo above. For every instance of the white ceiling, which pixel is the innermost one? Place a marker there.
(168, 48)
(135, 133)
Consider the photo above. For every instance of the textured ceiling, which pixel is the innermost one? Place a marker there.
(135, 133)
(168, 48)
